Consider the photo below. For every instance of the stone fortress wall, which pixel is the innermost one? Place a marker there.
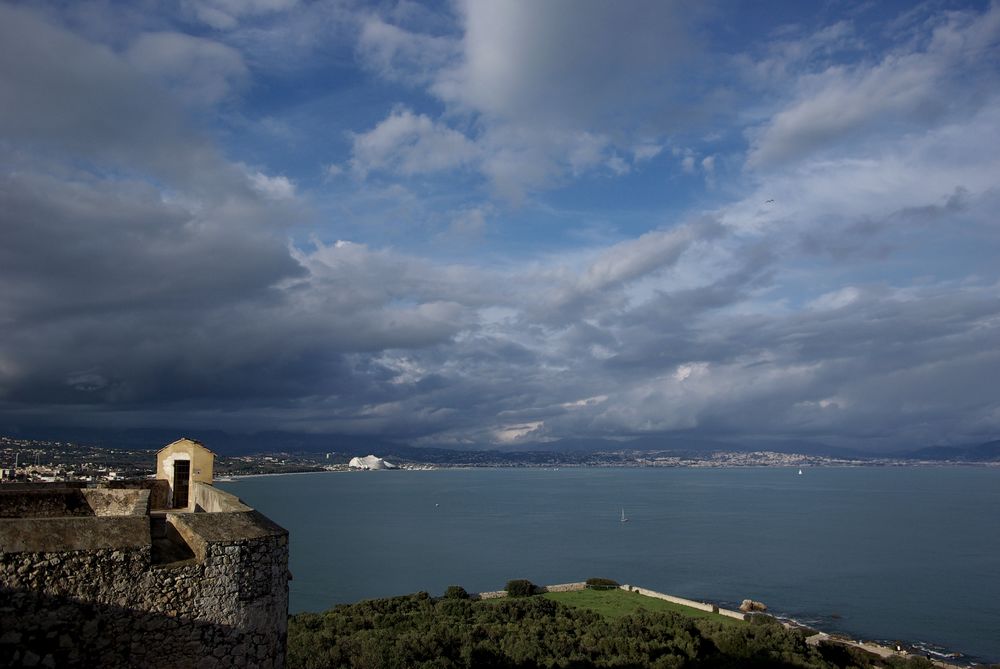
(94, 577)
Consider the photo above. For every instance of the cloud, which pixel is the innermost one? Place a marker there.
(910, 87)
(838, 299)
(470, 221)
(198, 71)
(117, 115)
(186, 256)
(227, 14)
(512, 433)
(565, 63)
(554, 90)
(398, 54)
(152, 277)
(644, 152)
(274, 188)
(410, 144)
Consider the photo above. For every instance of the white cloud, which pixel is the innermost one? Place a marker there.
(584, 151)
(547, 85)
(405, 371)
(837, 299)
(410, 144)
(906, 88)
(585, 402)
(632, 259)
(398, 54)
(274, 188)
(644, 152)
(788, 54)
(512, 433)
(618, 165)
(685, 371)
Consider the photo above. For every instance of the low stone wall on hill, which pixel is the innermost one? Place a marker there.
(495, 594)
(564, 587)
(572, 587)
(701, 606)
(560, 587)
(89, 591)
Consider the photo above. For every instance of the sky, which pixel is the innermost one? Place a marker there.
(490, 223)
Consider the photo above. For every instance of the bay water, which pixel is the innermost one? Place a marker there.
(884, 553)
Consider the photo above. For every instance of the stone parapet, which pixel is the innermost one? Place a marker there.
(87, 591)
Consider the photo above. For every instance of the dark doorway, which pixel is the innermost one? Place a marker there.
(182, 478)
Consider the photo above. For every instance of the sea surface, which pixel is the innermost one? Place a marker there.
(892, 553)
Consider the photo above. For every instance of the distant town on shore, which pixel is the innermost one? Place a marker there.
(41, 460)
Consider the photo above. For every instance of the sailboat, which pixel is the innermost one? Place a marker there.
(800, 472)
(624, 519)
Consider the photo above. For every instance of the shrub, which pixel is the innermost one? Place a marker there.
(520, 587)
(602, 583)
(763, 619)
(455, 592)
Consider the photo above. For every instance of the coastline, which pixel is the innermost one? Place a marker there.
(817, 637)
(866, 624)
(238, 477)
(940, 656)
(907, 649)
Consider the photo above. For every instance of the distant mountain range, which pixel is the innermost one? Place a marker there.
(226, 443)
(691, 444)
(988, 452)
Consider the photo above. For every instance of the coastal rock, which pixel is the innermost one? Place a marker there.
(750, 605)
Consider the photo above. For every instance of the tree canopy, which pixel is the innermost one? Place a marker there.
(534, 632)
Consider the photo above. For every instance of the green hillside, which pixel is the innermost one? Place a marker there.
(617, 603)
(534, 632)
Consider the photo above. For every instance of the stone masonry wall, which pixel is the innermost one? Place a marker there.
(112, 607)
(48, 503)
(117, 502)
(159, 490)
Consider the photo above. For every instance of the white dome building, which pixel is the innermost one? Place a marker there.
(370, 462)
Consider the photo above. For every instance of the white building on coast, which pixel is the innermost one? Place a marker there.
(370, 462)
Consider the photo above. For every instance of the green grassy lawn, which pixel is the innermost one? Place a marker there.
(618, 603)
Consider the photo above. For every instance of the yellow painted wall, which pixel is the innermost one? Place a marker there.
(202, 461)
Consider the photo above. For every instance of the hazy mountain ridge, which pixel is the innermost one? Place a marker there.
(985, 452)
(563, 450)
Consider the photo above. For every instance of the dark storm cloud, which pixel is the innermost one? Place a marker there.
(147, 279)
(81, 247)
(141, 270)
(61, 93)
